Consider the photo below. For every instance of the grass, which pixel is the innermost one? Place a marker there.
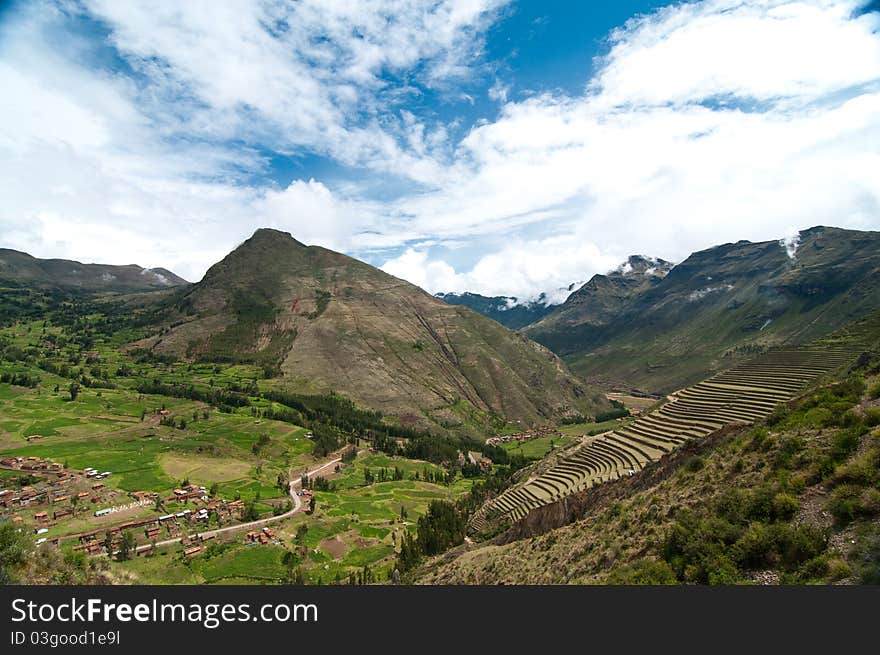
(539, 447)
(104, 428)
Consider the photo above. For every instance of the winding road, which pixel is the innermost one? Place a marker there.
(297, 506)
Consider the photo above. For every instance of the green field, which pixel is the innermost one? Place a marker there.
(112, 427)
(539, 447)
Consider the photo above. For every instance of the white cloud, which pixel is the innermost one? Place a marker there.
(518, 269)
(705, 122)
(667, 151)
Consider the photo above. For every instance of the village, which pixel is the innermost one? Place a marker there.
(60, 505)
(537, 433)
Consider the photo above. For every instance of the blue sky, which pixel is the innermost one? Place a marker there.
(484, 145)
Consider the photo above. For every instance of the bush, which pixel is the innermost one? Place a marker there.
(838, 569)
(783, 507)
(864, 469)
(874, 391)
(695, 464)
(872, 416)
(844, 504)
(643, 572)
(866, 555)
(844, 443)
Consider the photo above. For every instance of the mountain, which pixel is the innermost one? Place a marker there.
(507, 310)
(714, 308)
(787, 501)
(324, 321)
(603, 298)
(21, 269)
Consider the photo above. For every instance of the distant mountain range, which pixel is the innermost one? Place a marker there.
(327, 322)
(21, 269)
(507, 310)
(324, 321)
(670, 326)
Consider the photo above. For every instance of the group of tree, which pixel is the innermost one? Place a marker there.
(383, 475)
(20, 379)
(442, 527)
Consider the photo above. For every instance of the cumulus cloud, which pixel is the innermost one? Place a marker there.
(518, 269)
(706, 122)
(703, 122)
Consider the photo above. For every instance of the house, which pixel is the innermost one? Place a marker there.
(34, 437)
(477, 458)
(41, 516)
(61, 513)
(195, 550)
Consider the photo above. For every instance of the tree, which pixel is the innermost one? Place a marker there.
(214, 490)
(126, 545)
(312, 505)
(291, 562)
(301, 533)
(74, 391)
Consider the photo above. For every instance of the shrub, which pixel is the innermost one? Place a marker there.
(872, 416)
(695, 464)
(844, 443)
(754, 548)
(874, 391)
(838, 569)
(866, 555)
(864, 469)
(722, 571)
(844, 504)
(643, 572)
(783, 507)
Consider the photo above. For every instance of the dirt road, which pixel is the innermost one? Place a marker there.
(297, 506)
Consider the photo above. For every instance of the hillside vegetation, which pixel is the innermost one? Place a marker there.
(794, 499)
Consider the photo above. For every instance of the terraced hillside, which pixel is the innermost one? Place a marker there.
(743, 394)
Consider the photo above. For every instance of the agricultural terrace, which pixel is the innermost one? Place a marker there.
(740, 395)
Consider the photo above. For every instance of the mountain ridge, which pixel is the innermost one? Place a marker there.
(720, 304)
(323, 321)
(24, 269)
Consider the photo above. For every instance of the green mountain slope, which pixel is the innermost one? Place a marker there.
(716, 307)
(324, 321)
(793, 500)
(19, 269)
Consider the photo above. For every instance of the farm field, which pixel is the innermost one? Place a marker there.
(740, 395)
(154, 443)
(540, 447)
